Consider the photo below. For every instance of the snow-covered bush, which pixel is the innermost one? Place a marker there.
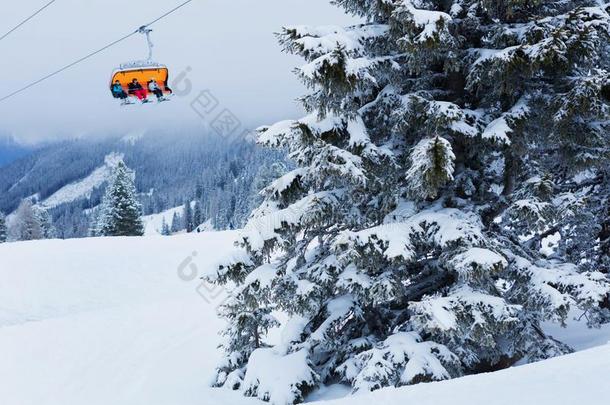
(278, 377)
(399, 360)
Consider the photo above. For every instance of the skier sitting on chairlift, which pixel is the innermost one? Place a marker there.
(136, 89)
(117, 91)
(154, 88)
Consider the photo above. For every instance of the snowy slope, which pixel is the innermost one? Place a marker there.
(84, 187)
(116, 321)
(153, 224)
(580, 378)
(107, 321)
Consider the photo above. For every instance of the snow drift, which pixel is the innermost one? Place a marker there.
(125, 321)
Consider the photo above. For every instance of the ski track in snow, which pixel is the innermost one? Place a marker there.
(109, 321)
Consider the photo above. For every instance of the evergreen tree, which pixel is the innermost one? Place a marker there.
(187, 216)
(3, 228)
(95, 221)
(439, 152)
(265, 175)
(120, 210)
(199, 191)
(46, 224)
(165, 231)
(27, 223)
(197, 214)
(176, 223)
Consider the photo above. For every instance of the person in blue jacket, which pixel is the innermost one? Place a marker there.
(117, 91)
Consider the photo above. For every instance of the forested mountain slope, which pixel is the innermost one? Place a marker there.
(68, 177)
(10, 150)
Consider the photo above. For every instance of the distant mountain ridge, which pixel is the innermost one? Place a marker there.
(68, 177)
(11, 150)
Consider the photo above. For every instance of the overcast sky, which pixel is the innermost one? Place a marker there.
(229, 45)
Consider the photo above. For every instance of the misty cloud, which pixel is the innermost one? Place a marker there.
(229, 45)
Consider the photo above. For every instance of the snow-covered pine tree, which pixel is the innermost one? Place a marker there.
(46, 224)
(99, 212)
(176, 223)
(197, 214)
(165, 231)
(3, 228)
(439, 152)
(120, 210)
(187, 216)
(27, 223)
(266, 174)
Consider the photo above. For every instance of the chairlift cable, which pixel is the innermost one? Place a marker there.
(27, 19)
(92, 53)
(65, 67)
(166, 14)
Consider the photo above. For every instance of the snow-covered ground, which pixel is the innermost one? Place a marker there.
(126, 321)
(153, 224)
(580, 378)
